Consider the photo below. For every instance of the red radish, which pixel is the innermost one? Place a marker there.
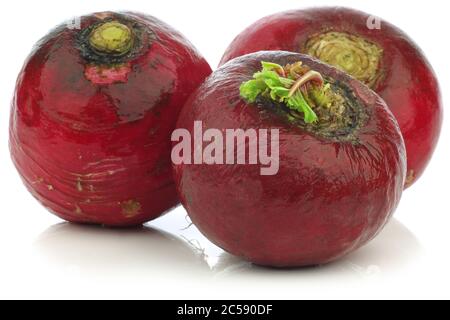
(341, 170)
(375, 52)
(92, 115)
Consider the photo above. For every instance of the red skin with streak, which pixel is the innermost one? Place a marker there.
(409, 85)
(92, 143)
(328, 198)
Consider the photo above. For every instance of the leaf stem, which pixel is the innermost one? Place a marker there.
(307, 77)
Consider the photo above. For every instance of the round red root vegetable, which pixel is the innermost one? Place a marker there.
(340, 176)
(92, 115)
(373, 51)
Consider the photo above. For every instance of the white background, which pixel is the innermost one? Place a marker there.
(41, 257)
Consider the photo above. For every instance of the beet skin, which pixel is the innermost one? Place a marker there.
(92, 115)
(330, 195)
(405, 79)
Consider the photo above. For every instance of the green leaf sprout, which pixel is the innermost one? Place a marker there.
(273, 83)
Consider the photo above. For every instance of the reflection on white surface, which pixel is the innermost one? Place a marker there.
(390, 252)
(104, 252)
(149, 252)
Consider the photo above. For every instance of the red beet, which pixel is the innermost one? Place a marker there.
(336, 187)
(92, 115)
(384, 58)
